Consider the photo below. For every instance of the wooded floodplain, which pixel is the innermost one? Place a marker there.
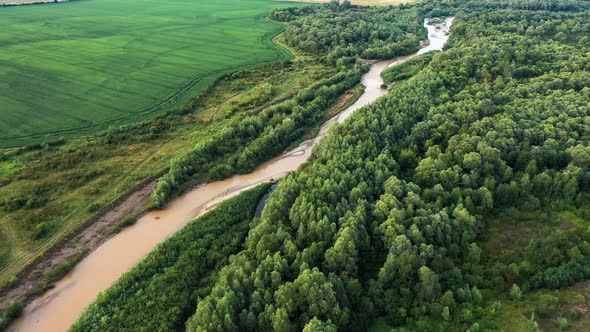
(456, 202)
(459, 201)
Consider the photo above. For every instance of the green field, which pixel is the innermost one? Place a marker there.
(80, 67)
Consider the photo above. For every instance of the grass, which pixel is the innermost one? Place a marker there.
(542, 310)
(125, 222)
(96, 174)
(80, 67)
(508, 235)
(66, 266)
(4, 246)
(379, 325)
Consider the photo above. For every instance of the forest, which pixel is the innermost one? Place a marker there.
(51, 192)
(259, 137)
(167, 283)
(399, 213)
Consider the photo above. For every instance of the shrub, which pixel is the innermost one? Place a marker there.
(41, 229)
(562, 323)
(12, 311)
(515, 292)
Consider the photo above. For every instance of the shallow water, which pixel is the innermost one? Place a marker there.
(61, 306)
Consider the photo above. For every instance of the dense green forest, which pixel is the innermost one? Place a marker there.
(341, 32)
(167, 283)
(399, 215)
(260, 137)
(50, 192)
(385, 219)
(407, 69)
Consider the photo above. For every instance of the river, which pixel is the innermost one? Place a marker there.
(58, 309)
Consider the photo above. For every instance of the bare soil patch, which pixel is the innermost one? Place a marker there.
(344, 100)
(90, 237)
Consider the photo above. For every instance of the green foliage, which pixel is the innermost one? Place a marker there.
(12, 281)
(339, 31)
(484, 126)
(561, 276)
(316, 325)
(125, 222)
(562, 323)
(66, 266)
(551, 254)
(42, 229)
(10, 313)
(167, 283)
(515, 292)
(406, 69)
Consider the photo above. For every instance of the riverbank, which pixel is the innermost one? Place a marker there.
(123, 159)
(99, 231)
(33, 279)
(59, 308)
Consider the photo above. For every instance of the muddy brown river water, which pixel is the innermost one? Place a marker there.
(60, 307)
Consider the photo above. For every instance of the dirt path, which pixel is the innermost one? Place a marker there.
(95, 233)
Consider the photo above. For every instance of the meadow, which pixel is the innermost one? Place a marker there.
(81, 67)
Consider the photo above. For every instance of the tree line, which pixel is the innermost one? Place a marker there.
(161, 292)
(257, 138)
(341, 31)
(385, 217)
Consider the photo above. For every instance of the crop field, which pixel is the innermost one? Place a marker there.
(77, 68)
